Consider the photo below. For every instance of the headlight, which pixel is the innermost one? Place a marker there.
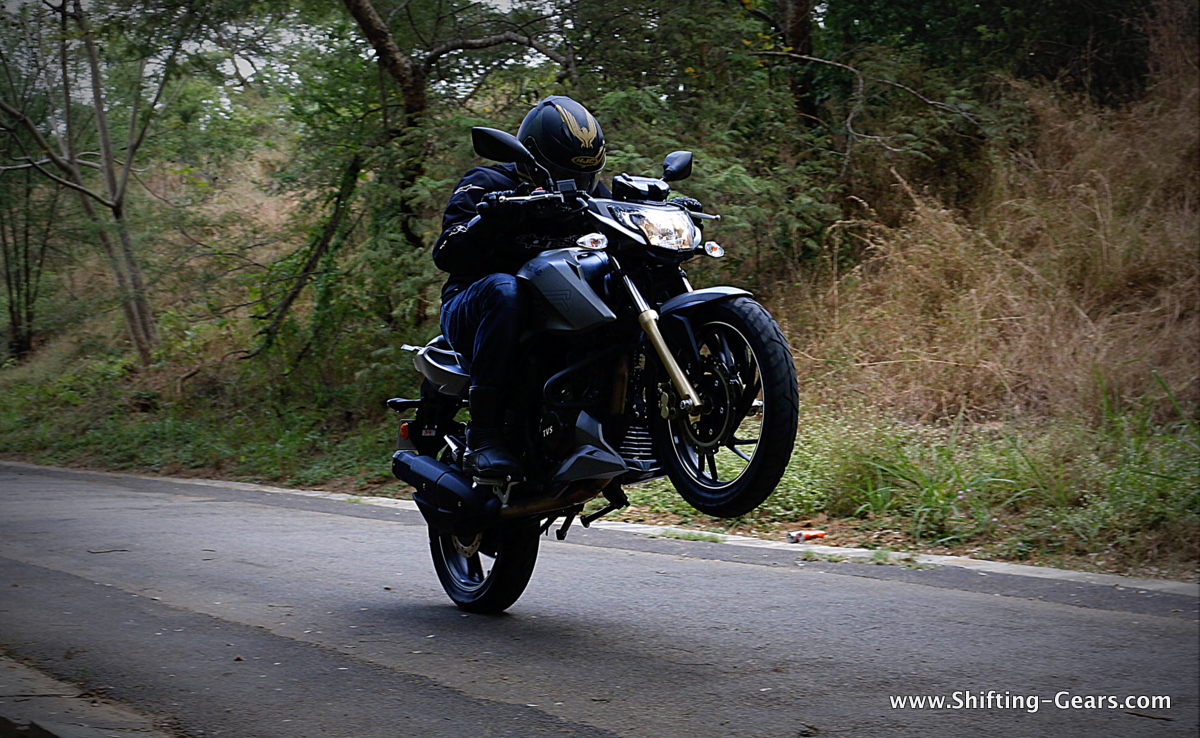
(664, 229)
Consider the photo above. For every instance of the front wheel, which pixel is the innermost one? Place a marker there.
(729, 458)
(485, 572)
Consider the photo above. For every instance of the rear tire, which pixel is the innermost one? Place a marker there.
(485, 573)
(727, 461)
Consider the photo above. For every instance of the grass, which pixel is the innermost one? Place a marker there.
(691, 535)
(1122, 495)
(814, 556)
(1020, 382)
(99, 414)
(1124, 498)
(879, 558)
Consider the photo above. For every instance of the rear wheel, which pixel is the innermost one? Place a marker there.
(485, 572)
(729, 458)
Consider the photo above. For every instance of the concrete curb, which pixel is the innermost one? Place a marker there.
(874, 555)
(817, 550)
(33, 705)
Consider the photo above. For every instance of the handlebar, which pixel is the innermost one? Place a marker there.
(493, 200)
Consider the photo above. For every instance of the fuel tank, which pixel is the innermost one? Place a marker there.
(561, 277)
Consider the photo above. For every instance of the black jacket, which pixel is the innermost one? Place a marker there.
(470, 251)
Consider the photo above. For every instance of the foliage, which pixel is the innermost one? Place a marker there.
(976, 222)
(1059, 41)
(1059, 492)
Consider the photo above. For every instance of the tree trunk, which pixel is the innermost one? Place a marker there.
(796, 27)
(408, 74)
(147, 326)
(128, 272)
(143, 342)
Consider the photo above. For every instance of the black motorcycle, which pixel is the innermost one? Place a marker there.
(628, 374)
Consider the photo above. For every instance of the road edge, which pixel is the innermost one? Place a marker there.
(34, 704)
(817, 551)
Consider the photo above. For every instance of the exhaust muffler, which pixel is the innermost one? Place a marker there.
(443, 495)
(448, 499)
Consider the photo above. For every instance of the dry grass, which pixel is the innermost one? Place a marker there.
(1078, 278)
(1047, 346)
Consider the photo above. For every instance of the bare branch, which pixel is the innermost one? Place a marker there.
(136, 139)
(410, 77)
(861, 76)
(483, 80)
(58, 161)
(496, 40)
(99, 104)
(133, 115)
(32, 164)
(154, 194)
(67, 183)
(765, 17)
(329, 233)
(396, 10)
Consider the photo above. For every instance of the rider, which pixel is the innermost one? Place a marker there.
(481, 314)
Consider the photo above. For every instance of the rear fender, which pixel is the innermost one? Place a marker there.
(435, 419)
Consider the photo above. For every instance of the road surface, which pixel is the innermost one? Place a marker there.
(252, 614)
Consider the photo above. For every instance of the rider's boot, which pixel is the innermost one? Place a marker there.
(488, 456)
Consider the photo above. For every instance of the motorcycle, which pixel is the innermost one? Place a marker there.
(628, 374)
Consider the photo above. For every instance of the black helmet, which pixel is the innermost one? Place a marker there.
(565, 139)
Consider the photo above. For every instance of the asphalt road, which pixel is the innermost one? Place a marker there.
(252, 615)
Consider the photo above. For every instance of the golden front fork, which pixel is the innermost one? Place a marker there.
(648, 319)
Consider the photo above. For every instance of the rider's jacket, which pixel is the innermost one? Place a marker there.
(470, 248)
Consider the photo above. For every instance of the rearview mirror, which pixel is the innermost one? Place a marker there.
(504, 147)
(499, 146)
(677, 166)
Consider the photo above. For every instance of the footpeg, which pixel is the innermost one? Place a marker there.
(616, 500)
(587, 520)
(506, 484)
(561, 533)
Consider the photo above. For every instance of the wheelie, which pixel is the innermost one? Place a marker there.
(585, 358)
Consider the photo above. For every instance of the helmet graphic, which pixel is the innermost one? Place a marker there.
(565, 139)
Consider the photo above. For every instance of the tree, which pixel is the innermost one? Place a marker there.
(57, 148)
(792, 22)
(422, 51)
(84, 87)
(1095, 46)
(29, 225)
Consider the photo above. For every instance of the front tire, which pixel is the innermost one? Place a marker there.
(726, 461)
(485, 573)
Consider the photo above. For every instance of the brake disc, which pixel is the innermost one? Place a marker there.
(470, 549)
(713, 426)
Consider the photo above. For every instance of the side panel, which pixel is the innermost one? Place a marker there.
(560, 276)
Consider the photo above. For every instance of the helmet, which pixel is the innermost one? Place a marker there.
(565, 139)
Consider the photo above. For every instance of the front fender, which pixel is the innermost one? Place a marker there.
(676, 325)
(689, 300)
